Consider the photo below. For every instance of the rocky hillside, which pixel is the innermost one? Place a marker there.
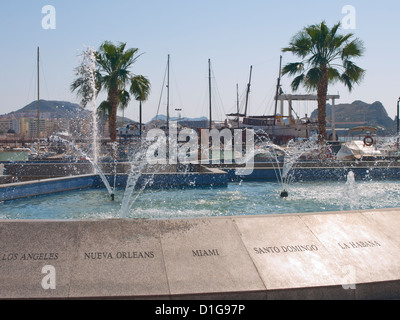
(51, 110)
(55, 110)
(360, 113)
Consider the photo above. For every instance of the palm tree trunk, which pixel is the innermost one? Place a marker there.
(322, 92)
(113, 101)
(140, 119)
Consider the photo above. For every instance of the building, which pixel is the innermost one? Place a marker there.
(26, 127)
(7, 125)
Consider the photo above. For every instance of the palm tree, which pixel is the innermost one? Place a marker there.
(140, 88)
(124, 99)
(326, 58)
(112, 74)
(104, 110)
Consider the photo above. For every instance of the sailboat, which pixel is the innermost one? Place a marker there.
(161, 123)
(24, 154)
(279, 127)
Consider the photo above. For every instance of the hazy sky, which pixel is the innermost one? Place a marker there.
(233, 34)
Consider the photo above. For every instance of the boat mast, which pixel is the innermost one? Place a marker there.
(248, 92)
(38, 101)
(237, 105)
(209, 89)
(168, 94)
(277, 89)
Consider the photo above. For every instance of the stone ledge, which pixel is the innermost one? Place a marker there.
(296, 256)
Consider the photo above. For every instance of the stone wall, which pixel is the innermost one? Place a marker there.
(349, 255)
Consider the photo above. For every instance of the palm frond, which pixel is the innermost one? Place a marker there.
(104, 110)
(300, 45)
(353, 49)
(312, 78)
(293, 68)
(346, 80)
(140, 87)
(297, 82)
(352, 74)
(333, 74)
(124, 99)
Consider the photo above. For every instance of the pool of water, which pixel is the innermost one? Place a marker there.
(246, 198)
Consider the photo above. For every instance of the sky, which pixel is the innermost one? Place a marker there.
(233, 34)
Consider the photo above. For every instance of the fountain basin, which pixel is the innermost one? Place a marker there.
(329, 255)
(28, 171)
(13, 191)
(194, 200)
(317, 171)
(301, 171)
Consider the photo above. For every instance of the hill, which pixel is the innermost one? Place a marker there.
(52, 110)
(346, 115)
(360, 113)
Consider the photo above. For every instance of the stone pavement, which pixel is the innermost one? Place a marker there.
(338, 255)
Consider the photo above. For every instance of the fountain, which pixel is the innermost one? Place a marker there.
(351, 192)
(293, 152)
(101, 248)
(286, 174)
(97, 169)
(170, 245)
(137, 164)
(88, 91)
(86, 71)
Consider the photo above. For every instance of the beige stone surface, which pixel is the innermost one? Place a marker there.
(296, 256)
(388, 221)
(363, 250)
(207, 256)
(26, 249)
(287, 254)
(118, 258)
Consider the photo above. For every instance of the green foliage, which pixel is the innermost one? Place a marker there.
(324, 50)
(325, 58)
(108, 69)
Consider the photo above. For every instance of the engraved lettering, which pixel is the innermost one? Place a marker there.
(34, 256)
(359, 244)
(135, 255)
(10, 256)
(299, 248)
(205, 253)
(284, 249)
(267, 250)
(98, 255)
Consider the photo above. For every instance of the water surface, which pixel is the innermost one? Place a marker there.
(246, 198)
